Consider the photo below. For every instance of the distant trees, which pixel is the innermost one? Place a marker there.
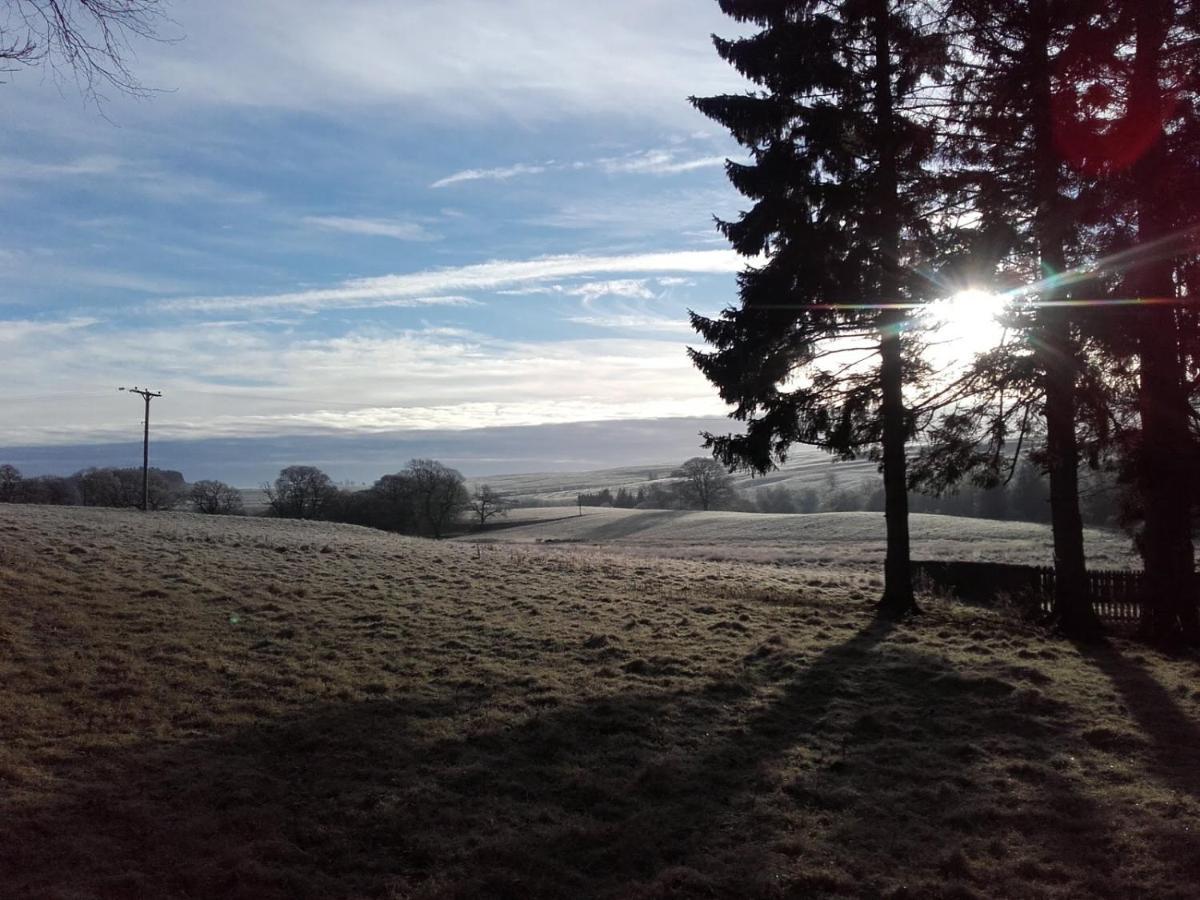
(10, 484)
(300, 492)
(705, 483)
(122, 488)
(486, 503)
(439, 494)
(216, 498)
(111, 487)
(424, 498)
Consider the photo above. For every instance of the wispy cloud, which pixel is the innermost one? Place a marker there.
(353, 383)
(635, 322)
(523, 60)
(657, 162)
(148, 178)
(15, 331)
(482, 276)
(30, 170)
(498, 174)
(391, 228)
(643, 162)
(631, 288)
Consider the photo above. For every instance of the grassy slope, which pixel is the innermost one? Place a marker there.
(853, 538)
(264, 709)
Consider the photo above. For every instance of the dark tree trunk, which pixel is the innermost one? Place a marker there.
(897, 572)
(1164, 475)
(1056, 354)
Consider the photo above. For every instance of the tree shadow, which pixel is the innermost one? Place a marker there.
(627, 526)
(1174, 735)
(860, 771)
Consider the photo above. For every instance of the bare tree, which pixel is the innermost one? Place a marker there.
(486, 503)
(438, 492)
(216, 498)
(90, 38)
(300, 492)
(706, 483)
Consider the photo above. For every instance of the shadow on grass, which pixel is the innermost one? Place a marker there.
(1174, 735)
(627, 526)
(866, 770)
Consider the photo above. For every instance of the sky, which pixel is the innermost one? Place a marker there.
(452, 224)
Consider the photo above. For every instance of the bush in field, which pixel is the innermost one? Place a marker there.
(216, 498)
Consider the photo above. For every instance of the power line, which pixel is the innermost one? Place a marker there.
(147, 395)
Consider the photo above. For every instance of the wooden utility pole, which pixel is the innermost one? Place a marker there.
(147, 396)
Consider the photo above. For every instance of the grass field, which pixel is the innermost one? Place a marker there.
(204, 707)
(850, 539)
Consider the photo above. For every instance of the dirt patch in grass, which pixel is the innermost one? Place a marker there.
(200, 707)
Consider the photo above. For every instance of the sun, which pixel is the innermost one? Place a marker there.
(968, 322)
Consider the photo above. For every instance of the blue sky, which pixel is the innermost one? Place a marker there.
(392, 218)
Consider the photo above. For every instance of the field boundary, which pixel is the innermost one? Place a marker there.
(1116, 594)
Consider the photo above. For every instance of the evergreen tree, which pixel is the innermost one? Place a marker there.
(1009, 90)
(1135, 125)
(816, 351)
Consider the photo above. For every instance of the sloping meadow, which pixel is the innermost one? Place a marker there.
(199, 707)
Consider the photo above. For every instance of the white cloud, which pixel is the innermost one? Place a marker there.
(657, 162)
(528, 60)
(635, 322)
(358, 382)
(17, 331)
(499, 174)
(632, 288)
(392, 228)
(482, 276)
(645, 162)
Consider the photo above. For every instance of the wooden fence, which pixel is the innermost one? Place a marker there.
(1115, 593)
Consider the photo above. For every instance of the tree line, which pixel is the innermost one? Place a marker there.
(120, 488)
(900, 151)
(425, 498)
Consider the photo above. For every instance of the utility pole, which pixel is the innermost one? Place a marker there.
(147, 395)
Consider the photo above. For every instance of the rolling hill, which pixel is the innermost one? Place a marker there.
(248, 708)
(852, 539)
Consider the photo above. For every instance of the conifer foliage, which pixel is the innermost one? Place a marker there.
(818, 351)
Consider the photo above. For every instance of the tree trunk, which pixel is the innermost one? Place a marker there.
(897, 571)
(1055, 352)
(1164, 476)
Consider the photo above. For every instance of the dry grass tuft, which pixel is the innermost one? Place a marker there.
(198, 707)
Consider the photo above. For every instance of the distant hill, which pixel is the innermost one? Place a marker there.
(807, 468)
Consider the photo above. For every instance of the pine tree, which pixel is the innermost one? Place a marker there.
(1137, 128)
(1009, 89)
(818, 351)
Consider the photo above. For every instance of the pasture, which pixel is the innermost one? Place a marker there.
(209, 707)
(849, 540)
